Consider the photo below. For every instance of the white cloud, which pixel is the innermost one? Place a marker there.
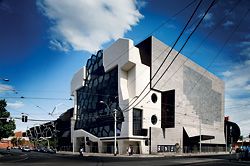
(88, 24)
(208, 20)
(5, 7)
(228, 23)
(238, 81)
(15, 106)
(245, 52)
(208, 16)
(140, 4)
(227, 73)
(170, 26)
(244, 43)
(6, 88)
(247, 62)
(61, 46)
(245, 48)
(237, 94)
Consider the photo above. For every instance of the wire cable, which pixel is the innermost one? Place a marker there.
(211, 5)
(219, 52)
(156, 29)
(167, 54)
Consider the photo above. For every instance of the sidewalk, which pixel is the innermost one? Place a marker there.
(159, 155)
(137, 157)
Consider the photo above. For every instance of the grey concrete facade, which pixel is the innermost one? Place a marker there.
(199, 99)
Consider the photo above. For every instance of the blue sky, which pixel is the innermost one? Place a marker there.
(43, 43)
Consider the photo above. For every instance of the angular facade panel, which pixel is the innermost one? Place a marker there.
(93, 116)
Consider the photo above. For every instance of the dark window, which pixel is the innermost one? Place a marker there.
(154, 119)
(137, 121)
(145, 48)
(168, 109)
(154, 98)
(146, 142)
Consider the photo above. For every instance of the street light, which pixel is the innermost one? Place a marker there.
(115, 111)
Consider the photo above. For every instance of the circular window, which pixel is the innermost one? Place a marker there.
(154, 98)
(154, 119)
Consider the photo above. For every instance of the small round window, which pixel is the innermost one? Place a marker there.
(154, 98)
(154, 119)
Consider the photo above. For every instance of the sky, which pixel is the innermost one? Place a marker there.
(44, 42)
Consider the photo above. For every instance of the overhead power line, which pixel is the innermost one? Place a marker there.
(39, 98)
(211, 32)
(170, 52)
(231, 34)
(156, 29)
(219, 52)
(228, 39)
(38, 120)
(184, 44)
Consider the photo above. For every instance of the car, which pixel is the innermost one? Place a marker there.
(26, 149)
(49, 150)
(44, 150)
(15, 147)
(38, 149)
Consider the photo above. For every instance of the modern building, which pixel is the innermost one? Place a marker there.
(58, 129)
(232, 133)
(164, 101)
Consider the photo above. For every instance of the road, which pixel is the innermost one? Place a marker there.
(44, 159)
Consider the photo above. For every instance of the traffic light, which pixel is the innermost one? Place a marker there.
(24, 118)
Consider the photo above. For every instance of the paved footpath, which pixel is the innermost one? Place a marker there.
(162, 156)
(144, 155)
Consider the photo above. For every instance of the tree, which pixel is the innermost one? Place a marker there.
(7, 127)
(53, 142)
(14, 141)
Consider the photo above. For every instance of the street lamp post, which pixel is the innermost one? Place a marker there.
(115, 114)
(115, 111)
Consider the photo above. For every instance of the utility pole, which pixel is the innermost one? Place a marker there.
(115, 119)
(115, 151)
(200, 135)
(149, 140)
(226, 137)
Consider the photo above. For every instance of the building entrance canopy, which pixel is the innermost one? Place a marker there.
(194, 134)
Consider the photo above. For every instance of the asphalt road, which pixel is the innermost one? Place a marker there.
(44, 159)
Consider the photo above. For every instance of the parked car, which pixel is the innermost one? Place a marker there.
(43, 149)
(8, 148)
(47, 150)
(26, 149)
(38, 149)
(50, 150)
